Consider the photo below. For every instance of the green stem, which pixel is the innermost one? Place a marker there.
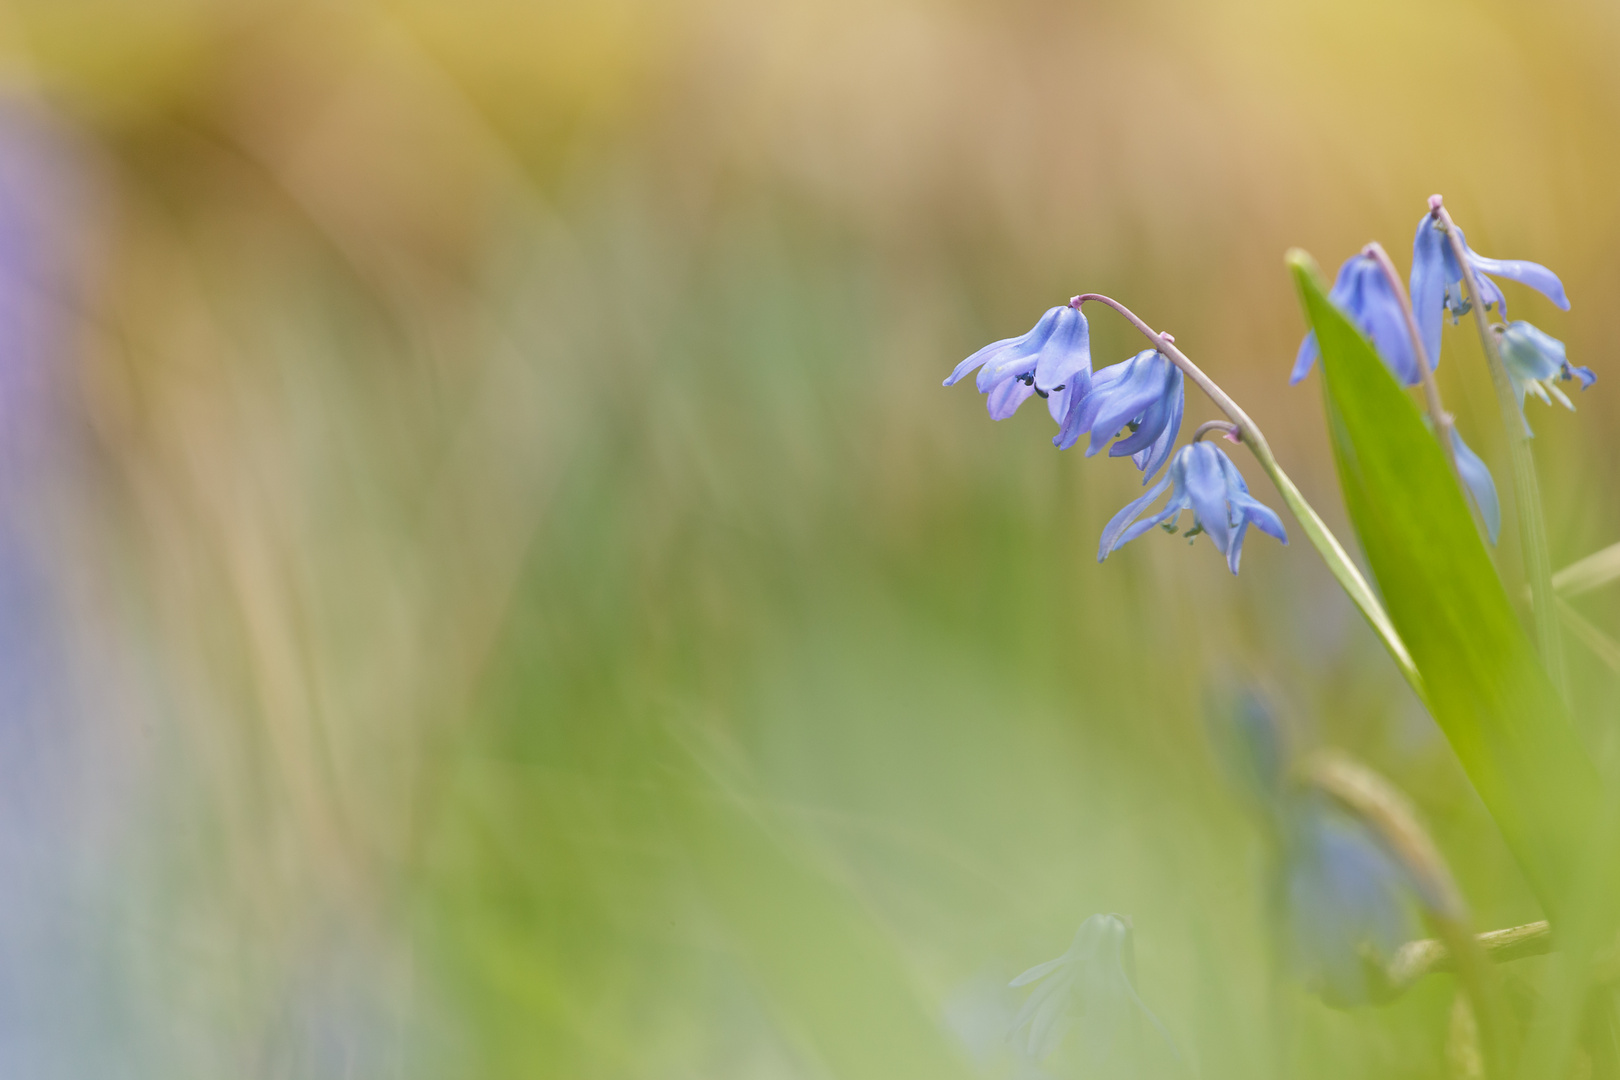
(1321, 537)
(1526, 489)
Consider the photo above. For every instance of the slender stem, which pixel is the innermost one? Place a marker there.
(1232, 431)
(1532, 528)
(1431, 386)
(1327, 545)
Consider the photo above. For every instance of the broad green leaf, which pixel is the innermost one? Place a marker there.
(1485, 686)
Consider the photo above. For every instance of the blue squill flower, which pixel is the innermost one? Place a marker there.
(1436, 275)
(1144, 394)
(1364, 293)
(1202, 479)
(1347, 904)
(1089, 981)
(1052, 360)
(1535, 364)
(1477, 478)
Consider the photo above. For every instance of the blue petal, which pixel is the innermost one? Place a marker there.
(1383, 319)
(1261, 515)
(1205, 485)
(1005, 397)
(1428, 283)
(1172, 509)
(1111, 534)
(1145, 380)
(1082, 411)
(1538, 277)
(1584, 374)
(981, 356)
(1066, 352)
(1150, 459)
(1017, 355)
(1303, 360)
(1478, 480)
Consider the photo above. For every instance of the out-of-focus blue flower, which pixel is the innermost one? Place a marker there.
(1341, 903)
(1478, 480)
(1089, 981)
(1202, 479)
(1436, 275)
(1535, 364)
(1347, 903)
(1144, 394)
(1364, 293)
(1052, 360)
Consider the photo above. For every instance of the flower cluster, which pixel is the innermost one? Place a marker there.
(1368, 294)
(1137, 405)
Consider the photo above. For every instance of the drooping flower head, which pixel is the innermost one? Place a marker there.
(1436, 275)
(1202, 479)
(1365, 294)
(1089, 981)
(1536, 363)
(1144, 394)
(1053, 360)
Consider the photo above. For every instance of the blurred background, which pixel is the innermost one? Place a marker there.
(491, 584)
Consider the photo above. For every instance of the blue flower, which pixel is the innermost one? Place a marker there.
(1364, 293)
(1436, 274)
(1145, 394)
(1347, 904)
(1204, 480)
(1341, 902)
(1535, 363)
(1052, 360)
(1089, 980)
(1477, 478)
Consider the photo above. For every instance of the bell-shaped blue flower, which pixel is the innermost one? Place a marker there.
(1477, 478)
(1053, 360)
(1090, 982)
(1364, 293)
(1436, 276)
(1202, 479)
(1347, 904)
(1144, 394)
(1536, 363)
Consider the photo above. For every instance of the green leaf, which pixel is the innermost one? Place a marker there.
(1485, 686)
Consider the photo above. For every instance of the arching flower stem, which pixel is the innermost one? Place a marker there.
(1232, 431)
(1527, 491)
(1327, 545)
(1431, 386)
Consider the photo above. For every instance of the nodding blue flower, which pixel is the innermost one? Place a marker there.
(1535, 364)
(1364, 293)
(1436, 276)
(1053, 360)
(1477, 478)
(1145, 394)
(1204, 480)
(1090, 980)
(1347, 903)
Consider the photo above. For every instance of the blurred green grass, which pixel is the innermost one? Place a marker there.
(592, 644)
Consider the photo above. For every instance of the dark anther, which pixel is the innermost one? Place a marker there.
(1134, 424)
(1042, 394)
(1027, 380)
(1055, 389)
